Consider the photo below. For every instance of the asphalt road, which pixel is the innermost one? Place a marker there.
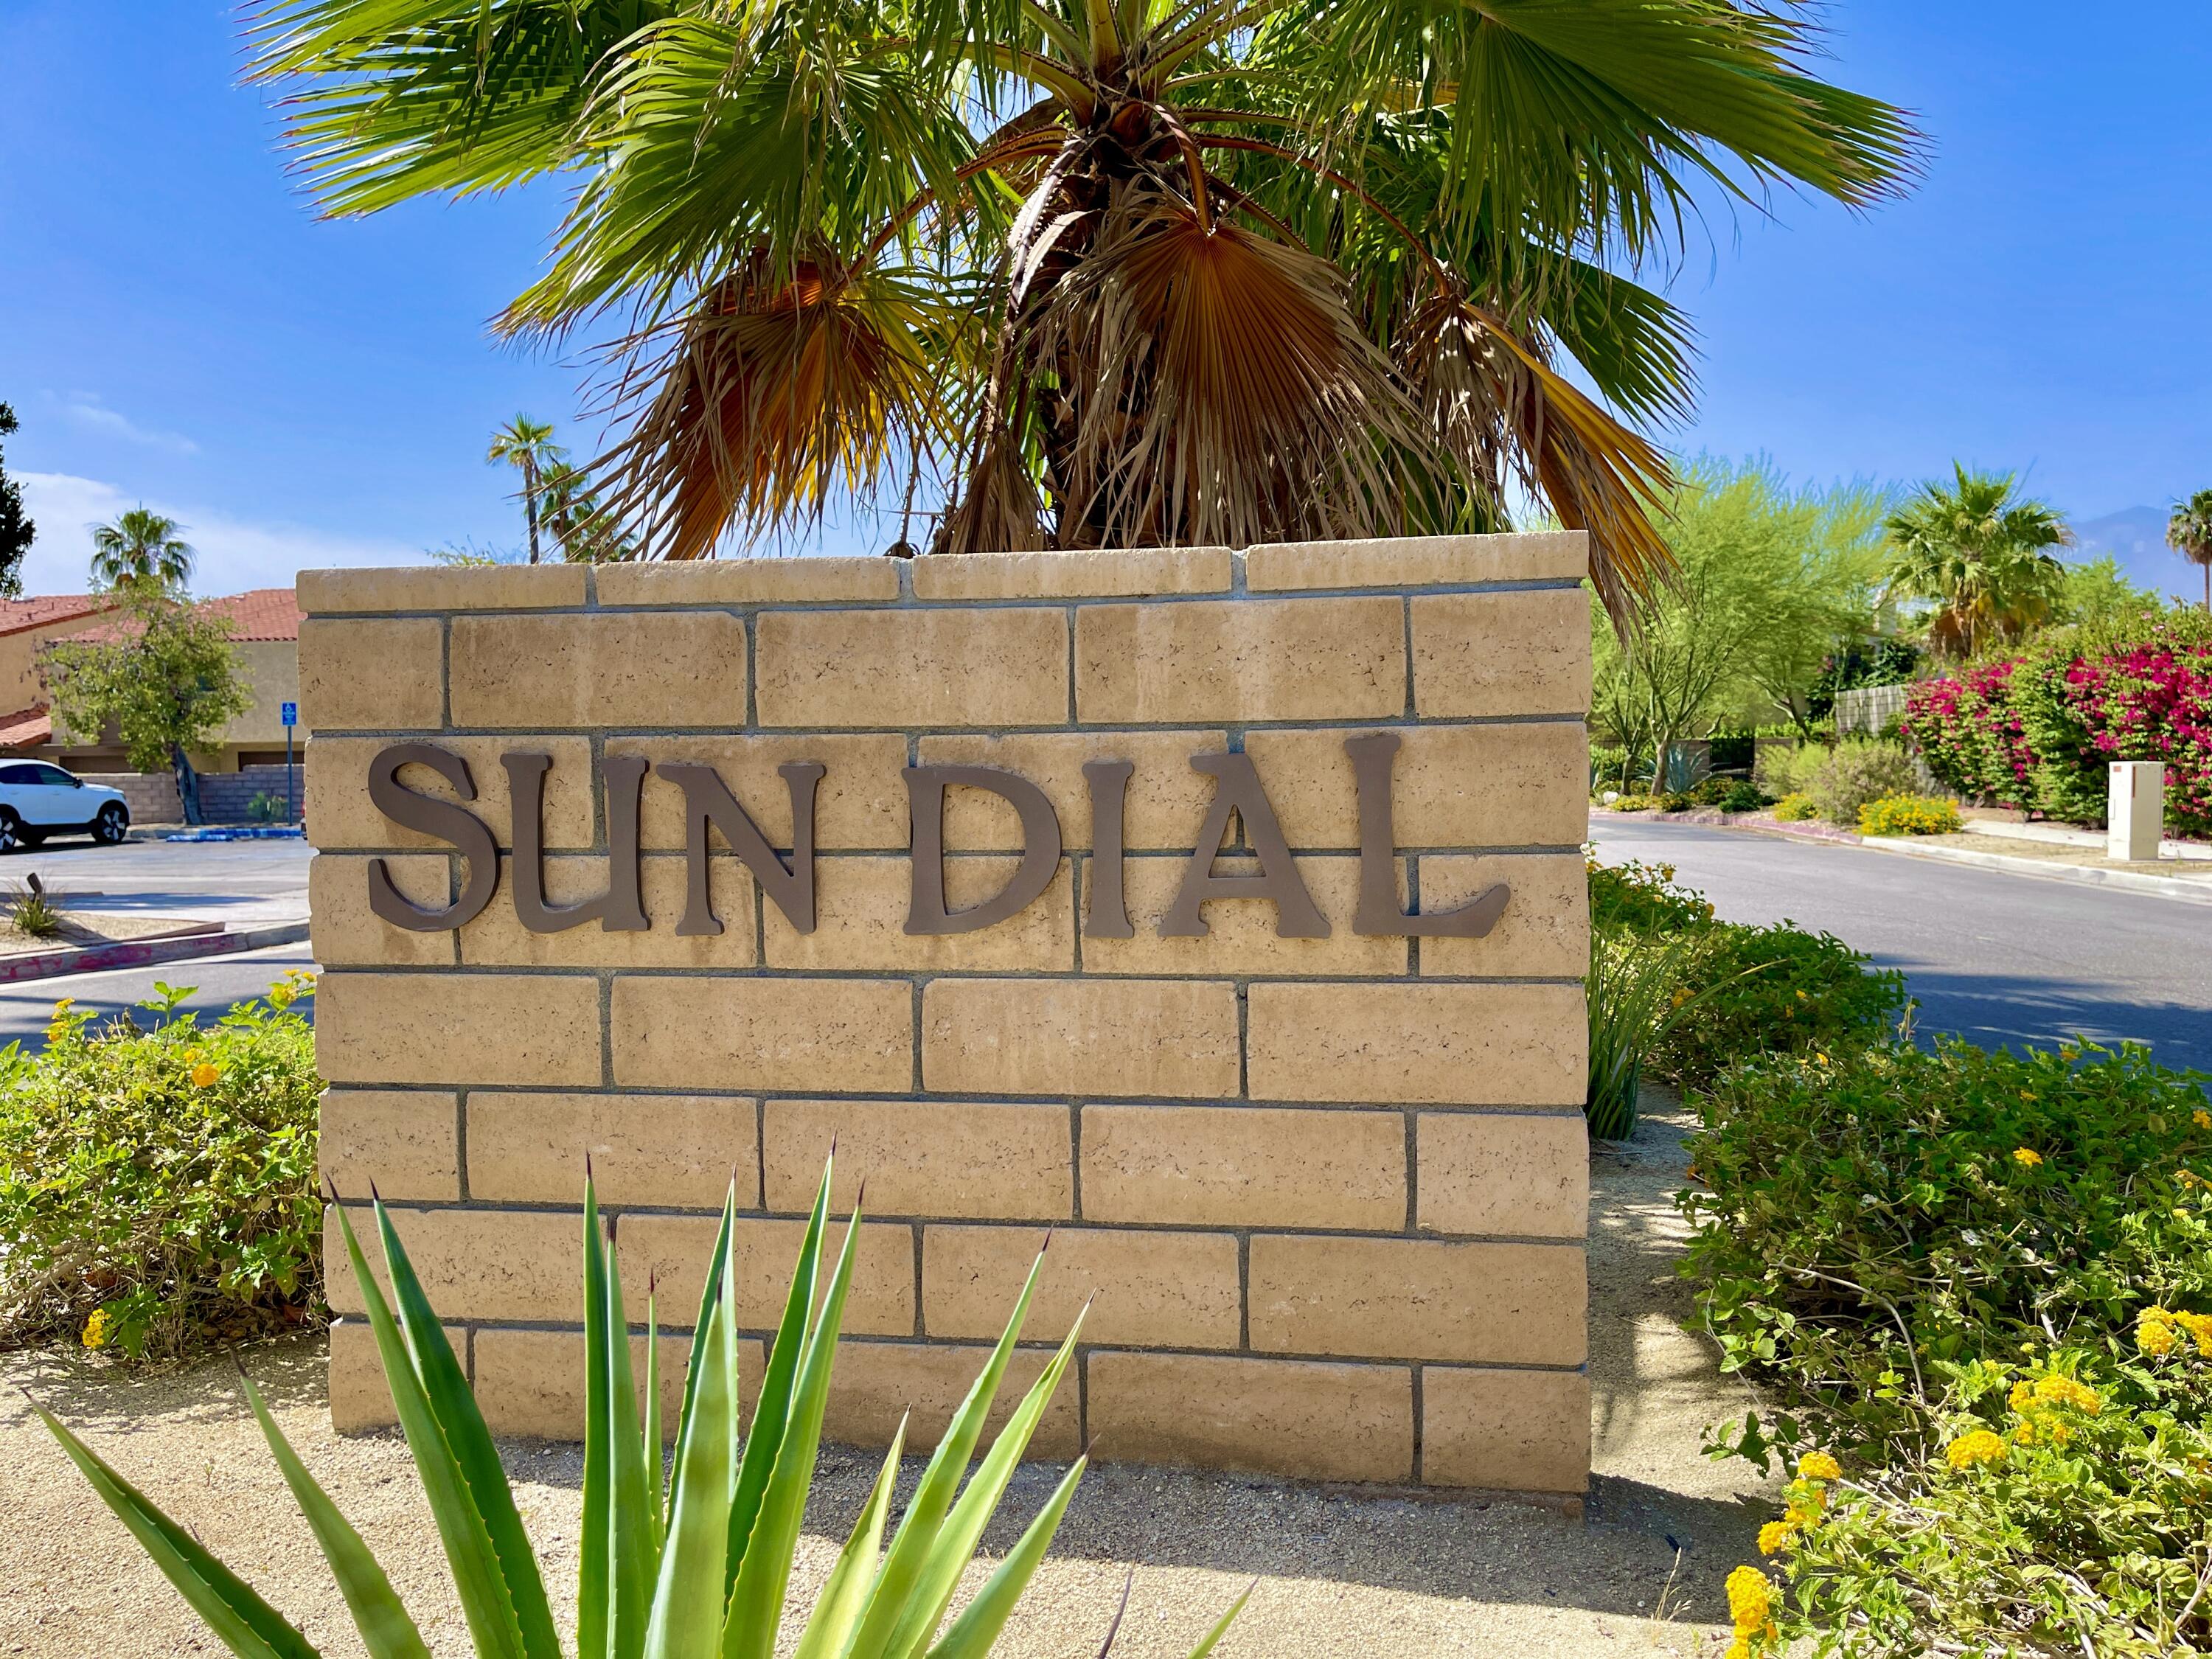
(246, 883)
(2001, 959)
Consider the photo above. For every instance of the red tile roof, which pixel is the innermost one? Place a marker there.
(42, 609)
(261, 613)
(26, 728)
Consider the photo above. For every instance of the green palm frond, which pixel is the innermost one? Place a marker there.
(1115, 270)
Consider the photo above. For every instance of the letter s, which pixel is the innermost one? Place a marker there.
(432, 816)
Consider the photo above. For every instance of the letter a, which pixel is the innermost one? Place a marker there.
(1237, 788)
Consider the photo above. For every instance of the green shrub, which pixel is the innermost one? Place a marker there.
(265, 808)
(1910, 815)
(157, 1187)
(1677, 800)
(1752, 990)
(1711, 792)
(1858, 771)
(1796, 809)
(1630, 804)
(1780, 771)
(1774, 990)
(1904, 1246)
(1741, 797)
(700, 1569)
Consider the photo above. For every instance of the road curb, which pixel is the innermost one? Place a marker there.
(2131, 881)
(146, 953)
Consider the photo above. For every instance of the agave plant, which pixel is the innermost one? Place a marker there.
(1128, 272)
(699, 1569)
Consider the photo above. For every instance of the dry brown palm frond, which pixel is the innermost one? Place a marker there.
(763, 400)
(1211, 386)
(1493, 399)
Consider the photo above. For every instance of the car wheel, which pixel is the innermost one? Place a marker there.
(30, 837)
(111, 825)
(11, 831)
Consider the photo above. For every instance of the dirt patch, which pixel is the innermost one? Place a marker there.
(1339, 1573)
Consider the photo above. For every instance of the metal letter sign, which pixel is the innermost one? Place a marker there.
(709, 805)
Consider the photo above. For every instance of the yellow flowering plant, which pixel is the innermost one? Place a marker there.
(157, 1177)
(2011, 1356)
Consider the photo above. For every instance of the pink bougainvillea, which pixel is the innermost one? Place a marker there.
(2038, 730)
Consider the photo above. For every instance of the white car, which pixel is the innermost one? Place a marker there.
(38, 800)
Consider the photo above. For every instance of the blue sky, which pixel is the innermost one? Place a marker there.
(177, 327)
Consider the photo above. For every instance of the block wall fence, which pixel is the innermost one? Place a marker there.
(1329, 1191)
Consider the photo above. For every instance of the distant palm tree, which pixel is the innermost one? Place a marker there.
(528, 447)
(141, 550)
(1980, 554)
(2189, 532)
(586, 532)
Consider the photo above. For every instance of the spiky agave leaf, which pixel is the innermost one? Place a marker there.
(1213, 385)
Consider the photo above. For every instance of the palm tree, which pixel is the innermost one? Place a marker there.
(586, 532)
(528, 447)
(2189, 532)
(1980, 554)
(1130, 271)
(141, 552)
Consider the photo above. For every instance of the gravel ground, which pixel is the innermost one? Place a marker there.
(1338, 1572)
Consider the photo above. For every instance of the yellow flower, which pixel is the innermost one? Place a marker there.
(1980, 1446)
(2022, 1397)
(2155, 1335)
(204, 1075)
(194, 1056)
(2065, 1391)
(1681, 995)
(1819, 1466)
(2200, 1118)
(2028, 1157)
(2198, 1326)
(1776, 1536)
(1751, 1601)
(95, 1329)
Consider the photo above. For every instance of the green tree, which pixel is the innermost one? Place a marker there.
(1136, 272)
(1981, 557)
(2189, 532)
(141, 552)
(2096, 590)
(527, 446)
(1773, 581)
(167, 680)
(17, 532)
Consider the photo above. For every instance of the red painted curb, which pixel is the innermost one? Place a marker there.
(145, 953)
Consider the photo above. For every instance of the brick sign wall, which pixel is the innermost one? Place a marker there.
(1303, 1115)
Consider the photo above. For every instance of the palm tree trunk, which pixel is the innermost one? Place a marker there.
(530, 502)
(188, 784)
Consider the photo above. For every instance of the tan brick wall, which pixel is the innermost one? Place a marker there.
(1323, 1197)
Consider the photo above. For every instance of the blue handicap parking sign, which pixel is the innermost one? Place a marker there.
(291, 713)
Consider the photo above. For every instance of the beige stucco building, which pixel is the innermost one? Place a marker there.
(264, 627)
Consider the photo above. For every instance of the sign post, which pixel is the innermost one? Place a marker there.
(291, 713)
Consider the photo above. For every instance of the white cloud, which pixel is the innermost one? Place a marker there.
(231, 554)
(84, 409)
